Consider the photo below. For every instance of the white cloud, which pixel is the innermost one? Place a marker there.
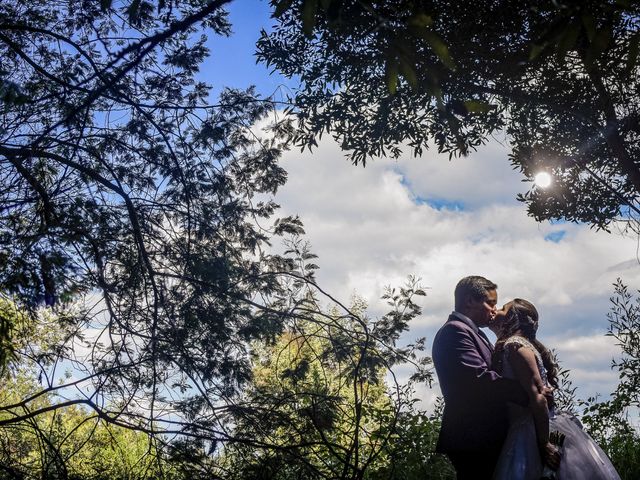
(478, 180)
(587, 350)
(373, 226)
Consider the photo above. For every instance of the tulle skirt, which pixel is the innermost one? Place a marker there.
(582, 458)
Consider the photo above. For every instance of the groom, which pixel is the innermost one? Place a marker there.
(474, 422)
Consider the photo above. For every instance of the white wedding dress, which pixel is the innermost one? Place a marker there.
(581, 457)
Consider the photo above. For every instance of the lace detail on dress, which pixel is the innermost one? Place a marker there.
(518, 341)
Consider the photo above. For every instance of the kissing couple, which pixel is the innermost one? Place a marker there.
(498, 421)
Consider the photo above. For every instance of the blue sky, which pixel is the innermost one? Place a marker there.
(441, 220)
(232, 63)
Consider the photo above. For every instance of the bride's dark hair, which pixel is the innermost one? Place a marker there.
(522, 319)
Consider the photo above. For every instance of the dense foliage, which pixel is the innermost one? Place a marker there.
(137, 210)
(318, 406)
(326, 402)
(323, 402)
(560, 77)
(613, 422)
(137, 225)
(71, 443)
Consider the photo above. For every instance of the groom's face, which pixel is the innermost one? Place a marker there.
(482, 311)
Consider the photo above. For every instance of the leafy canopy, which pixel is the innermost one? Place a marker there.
(138, 215)
(137, 209)
(559, 77)
(329, 399)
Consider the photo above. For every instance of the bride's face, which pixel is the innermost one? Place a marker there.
(496, 322)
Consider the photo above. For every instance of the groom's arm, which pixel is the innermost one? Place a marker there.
(457, 356)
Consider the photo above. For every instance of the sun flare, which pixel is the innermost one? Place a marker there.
(542, 180)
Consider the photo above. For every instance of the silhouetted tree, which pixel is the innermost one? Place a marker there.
(559, 77)
(330, 404)
(613, 422)
(137, 209)
(136, 225)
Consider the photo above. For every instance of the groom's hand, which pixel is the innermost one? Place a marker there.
(551, 455)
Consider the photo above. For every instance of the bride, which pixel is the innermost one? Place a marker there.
(527, 449)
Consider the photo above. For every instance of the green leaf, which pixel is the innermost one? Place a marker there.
(408, 72)
(281, 7)
(453, 123)
(420, 20)
(439, 48)
(435, 90)
(476, 106)
(536, 50)
(391, 75)
(105, 4)
(309, 10)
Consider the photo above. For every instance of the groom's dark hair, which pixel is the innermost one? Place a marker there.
(473, 286)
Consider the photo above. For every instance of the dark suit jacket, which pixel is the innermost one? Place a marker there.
(475, 397)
